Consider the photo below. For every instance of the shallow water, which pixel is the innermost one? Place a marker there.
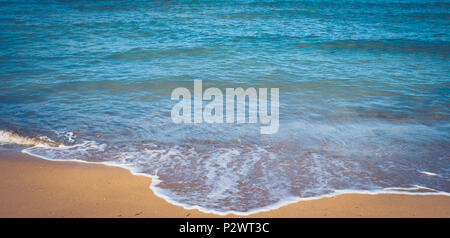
(364, 93)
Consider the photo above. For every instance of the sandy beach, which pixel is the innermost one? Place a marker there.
(33, 187)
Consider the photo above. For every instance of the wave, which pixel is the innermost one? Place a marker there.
(441, 48)
(9, 137)
(144, 53)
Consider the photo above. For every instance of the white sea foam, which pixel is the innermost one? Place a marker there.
(413, 188)
(427, 173)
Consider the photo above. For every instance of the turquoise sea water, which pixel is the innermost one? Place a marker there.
(364, 93)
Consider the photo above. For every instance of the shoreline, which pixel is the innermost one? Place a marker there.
(36, 187)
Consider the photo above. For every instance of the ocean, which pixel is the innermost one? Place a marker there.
(363, 94)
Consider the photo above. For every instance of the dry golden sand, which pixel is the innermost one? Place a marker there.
(33, 187)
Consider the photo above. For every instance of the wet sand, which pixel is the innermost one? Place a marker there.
(33, 187)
